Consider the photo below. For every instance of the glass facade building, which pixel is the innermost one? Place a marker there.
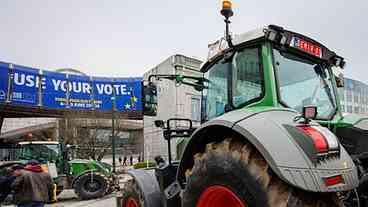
(354, 97)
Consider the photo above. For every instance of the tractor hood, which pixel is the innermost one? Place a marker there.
(290, 153)
(78, 166)
(352, 131)
(356, 120)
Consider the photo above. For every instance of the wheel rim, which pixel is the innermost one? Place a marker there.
(219, 196)
(131, 203)
(92, 186)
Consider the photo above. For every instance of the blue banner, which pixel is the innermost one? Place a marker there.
(25, 86)
(80, 92)
(61, 91)
(4, 76)
(54, 90)
(128, 94)
(102, 91)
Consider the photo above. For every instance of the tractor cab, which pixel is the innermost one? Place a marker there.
(270, 67)
(267, 67)
(39, 150)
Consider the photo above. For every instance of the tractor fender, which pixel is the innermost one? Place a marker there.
(266, 132)
(148, 185)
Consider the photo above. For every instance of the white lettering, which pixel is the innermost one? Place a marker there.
(123, 90)
(43, 82)
(108, 89)
(17, 81)
(30, 81)
(86, 88)
(63, 86)
(100, 88)
(56, 84)
(77, 87)
(117, 91)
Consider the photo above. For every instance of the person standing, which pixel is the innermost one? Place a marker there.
(120, 160)
(131, 159)
(5, 183)
(32, 187)
(125, 160)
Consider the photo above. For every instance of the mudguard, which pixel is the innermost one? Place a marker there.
(148, 185)
(266, 131)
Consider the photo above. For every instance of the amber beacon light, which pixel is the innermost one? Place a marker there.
(226, 10)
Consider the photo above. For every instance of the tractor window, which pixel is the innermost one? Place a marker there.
(40, 152)
(247, 79)
(303, 83)
(215, 97)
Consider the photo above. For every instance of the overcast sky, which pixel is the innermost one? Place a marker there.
(129, 37)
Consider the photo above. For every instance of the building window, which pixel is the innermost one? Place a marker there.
(348, 96)
(356, 109)
(341, 93)
(350, 109)
(196, 112)
(356, 99)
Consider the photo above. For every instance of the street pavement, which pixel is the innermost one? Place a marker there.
(69, 199)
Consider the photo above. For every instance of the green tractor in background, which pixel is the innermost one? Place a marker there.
(89, 178)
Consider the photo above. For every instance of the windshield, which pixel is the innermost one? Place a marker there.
(40, 152)
(303, 83)
(215, 96)
(243, 71)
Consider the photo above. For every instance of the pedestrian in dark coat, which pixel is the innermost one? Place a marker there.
(120, 160)
(5, 185)
(131, 160)
(125, 161)
(32, 187)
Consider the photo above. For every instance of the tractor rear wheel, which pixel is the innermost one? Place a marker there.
(233, 173)
(132, 196)
(91, 185)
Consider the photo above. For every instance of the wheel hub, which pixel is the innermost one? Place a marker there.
(131, 202)
(219, 196)
(92, 186)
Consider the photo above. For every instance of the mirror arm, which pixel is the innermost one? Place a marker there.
(158, 76)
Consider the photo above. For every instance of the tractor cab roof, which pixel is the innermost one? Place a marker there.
(291, 41)
(38, 142)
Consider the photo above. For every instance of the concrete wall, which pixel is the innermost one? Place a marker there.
(173, 102)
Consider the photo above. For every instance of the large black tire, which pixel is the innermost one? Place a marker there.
(91, 185)
(241, 169)
(131, 195)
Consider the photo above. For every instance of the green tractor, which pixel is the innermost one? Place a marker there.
(89, 178)
(272, 130)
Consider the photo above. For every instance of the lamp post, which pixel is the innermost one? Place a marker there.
(113, 100)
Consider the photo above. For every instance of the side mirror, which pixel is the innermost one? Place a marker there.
(340, 81)
(339, 77)
(160, 123)
(150, 100)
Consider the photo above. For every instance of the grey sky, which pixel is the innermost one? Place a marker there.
(129, 37)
